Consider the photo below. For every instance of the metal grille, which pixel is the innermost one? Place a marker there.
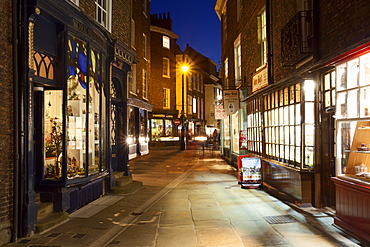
(113, 125)
(280, 219)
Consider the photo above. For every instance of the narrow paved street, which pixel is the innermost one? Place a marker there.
(190, 199)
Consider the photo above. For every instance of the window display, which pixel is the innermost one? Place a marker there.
(353, 125)
(282, 126)
(53, 134)
(85, 105)
(227, 132)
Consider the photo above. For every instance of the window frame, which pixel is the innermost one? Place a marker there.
(166, 70)
(238, 60)
(145, 83)
(104, 10)
(166, 98)
(262, 37)
(166, 42)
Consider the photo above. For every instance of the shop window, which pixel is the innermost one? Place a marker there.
(254, 127)
(85, 109)
(53, 134)
(168, 127)
(131, 125)
(166, 67)
(235, 131)
(227, 132)
(157, 128)
(352, 114)
(143, 127)
(308, 124)
(282, 126)
(104, 13)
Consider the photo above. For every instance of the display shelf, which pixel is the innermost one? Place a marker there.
(356, 157)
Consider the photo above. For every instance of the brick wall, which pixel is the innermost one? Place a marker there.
(6, 120)
(343, 23)
(142, 26)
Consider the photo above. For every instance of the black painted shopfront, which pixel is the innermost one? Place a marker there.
(67, 110)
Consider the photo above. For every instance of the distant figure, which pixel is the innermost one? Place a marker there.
(216, 139)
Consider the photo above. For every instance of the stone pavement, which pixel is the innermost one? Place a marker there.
(191, 198)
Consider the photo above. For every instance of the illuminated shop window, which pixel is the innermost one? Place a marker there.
(353, 116)
(254, 127)
(282, 120)
(86, 104)
(53, 134)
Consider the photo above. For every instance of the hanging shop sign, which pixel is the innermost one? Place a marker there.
(260, 79)
(231, 101)
(220, 112)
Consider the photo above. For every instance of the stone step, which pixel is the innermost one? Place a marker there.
(128, 189)
(44, 209)
(50, 220)
(123, 181)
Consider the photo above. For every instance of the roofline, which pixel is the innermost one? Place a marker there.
(163, 31)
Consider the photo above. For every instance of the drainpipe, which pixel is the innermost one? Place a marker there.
(270, 77)
(316, 28)
(16, 194)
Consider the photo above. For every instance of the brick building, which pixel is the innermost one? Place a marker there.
(302, 71)
(163, 78)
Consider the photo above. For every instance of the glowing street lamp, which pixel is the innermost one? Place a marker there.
(184, 69)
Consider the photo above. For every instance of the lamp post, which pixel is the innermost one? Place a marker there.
(184, 69)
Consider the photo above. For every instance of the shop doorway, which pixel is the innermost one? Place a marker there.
(328, 141)
(328, 160)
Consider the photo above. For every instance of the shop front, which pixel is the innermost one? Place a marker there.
(67, 110)
(352, 115)
(138, 135)
(164, 129)
(280, 130)
(70, 109)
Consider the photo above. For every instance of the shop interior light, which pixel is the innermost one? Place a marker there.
(130, 140)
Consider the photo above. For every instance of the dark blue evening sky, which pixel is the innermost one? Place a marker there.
(196, 23)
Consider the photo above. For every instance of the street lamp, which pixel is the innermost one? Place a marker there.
(184, 69)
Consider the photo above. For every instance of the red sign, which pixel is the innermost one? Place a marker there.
(177, 121)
